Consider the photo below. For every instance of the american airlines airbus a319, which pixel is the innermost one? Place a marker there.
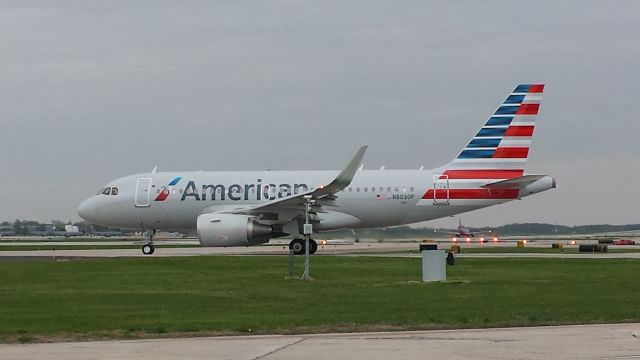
(241, 208)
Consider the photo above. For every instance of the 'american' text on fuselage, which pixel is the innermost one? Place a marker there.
(234, 192)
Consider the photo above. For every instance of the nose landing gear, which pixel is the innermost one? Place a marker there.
(148, 248)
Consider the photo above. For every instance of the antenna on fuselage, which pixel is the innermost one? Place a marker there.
(154, 169)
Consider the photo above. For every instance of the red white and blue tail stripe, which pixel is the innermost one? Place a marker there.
(500, 149)
(497, 152)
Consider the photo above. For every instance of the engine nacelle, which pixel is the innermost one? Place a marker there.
(231, 230)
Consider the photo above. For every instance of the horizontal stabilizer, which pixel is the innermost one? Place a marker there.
(515, 183)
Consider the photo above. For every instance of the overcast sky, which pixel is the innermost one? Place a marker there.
(91, 91)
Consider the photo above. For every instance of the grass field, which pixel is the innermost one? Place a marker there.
(125, 298)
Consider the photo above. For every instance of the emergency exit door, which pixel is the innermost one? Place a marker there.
(441, 189)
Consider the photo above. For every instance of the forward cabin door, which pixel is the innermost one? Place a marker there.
(441, 189)
(143, 192)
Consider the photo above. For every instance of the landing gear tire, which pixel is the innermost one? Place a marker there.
(297, 245)
(313, 246)
(148, 249)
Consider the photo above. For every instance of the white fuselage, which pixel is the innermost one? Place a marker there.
(375, 198)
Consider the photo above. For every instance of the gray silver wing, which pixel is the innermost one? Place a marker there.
(286, 209)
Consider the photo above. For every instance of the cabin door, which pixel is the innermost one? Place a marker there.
(441, 189)
(143, 192)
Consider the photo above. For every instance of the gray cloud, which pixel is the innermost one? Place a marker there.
(95, 90)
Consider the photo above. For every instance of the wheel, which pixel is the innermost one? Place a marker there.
(297, 245)
(148, 249)
(313, 246)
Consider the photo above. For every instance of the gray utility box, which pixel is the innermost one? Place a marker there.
(433, 263)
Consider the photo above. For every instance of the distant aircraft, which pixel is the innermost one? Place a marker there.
(241, 208)
(56, 233)
(467, 234)
(108, 233)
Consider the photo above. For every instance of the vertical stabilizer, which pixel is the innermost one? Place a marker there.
(501, 147)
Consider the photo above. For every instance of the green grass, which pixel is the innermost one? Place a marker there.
(123, 298)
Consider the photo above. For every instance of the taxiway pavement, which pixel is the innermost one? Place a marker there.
(393, 249)
(616, 341)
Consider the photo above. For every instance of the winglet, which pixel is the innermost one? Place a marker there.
(346, 175)
(323, 192)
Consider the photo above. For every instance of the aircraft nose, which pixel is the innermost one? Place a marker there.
(87, 209)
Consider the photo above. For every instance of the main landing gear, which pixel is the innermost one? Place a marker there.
(148, 248)
(297, 245)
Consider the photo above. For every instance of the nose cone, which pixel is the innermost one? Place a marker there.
(87, 209)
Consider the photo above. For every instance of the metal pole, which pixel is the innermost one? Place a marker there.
(291, 263)
(305, 275)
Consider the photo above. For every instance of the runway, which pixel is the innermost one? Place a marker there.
(392, 249)
(617, 341)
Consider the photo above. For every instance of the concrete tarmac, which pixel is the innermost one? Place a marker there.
(617, 341)
(393, 249)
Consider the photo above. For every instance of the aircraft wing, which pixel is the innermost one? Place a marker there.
(294, 205)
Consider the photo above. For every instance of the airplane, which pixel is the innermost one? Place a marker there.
(7, 233)
(467, 234)
(108, 233)
(243, 208)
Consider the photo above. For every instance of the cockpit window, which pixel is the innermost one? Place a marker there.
(108, 191)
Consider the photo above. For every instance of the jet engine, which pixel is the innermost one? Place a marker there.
(231, 230)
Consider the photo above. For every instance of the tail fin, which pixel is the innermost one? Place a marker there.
(500, 149)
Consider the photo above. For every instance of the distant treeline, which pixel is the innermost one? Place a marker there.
(27, 227)
(505, 230)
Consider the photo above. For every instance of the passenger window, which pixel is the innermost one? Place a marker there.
(114, 191)
(381, 189)
(396, 189)
(350, 189)
(411, 189)
(373, 189)
(106, 191)
(389, 189)
(357, 189)
(366, 189)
